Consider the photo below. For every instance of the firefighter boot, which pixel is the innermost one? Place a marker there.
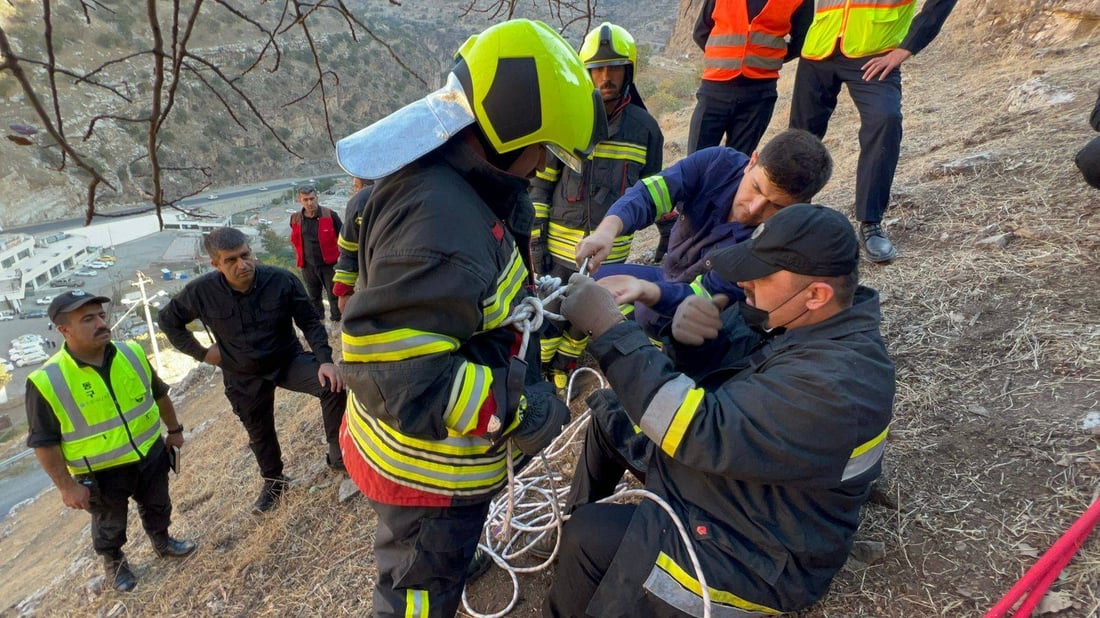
(118, 573)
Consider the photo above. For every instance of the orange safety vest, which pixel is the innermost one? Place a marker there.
(737, 47)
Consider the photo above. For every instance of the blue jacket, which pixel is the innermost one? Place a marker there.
(701, 186)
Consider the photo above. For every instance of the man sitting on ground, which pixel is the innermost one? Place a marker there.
(766, 462)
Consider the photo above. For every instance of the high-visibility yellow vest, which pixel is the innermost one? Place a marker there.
(754, 49)
(99, 431)
(864, 27)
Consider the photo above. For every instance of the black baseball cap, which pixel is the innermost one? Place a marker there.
(71, 301)
(806, 239)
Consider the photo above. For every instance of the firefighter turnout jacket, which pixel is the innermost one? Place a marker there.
(102, 425)
(767, 466)
(425, 361)
(347, 266)
(568, 205)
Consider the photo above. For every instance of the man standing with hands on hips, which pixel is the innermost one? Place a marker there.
(862, 45)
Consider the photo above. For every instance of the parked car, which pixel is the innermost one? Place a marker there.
(28, 338)
(45, 300)
(110, 259)
(33, 313)
(291, 211)
(7, 315)
(32, 360)
(99, 265)
(265, 221)
(84, 272)
(7, 365)
(66, 282)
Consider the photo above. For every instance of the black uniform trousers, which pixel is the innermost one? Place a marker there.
(318, 278)
(739, 112)
(816, 86)
(145, 481)
(253, 400)
(421, 553)
(592, 535)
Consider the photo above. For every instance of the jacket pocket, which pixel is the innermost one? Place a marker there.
(762, 553)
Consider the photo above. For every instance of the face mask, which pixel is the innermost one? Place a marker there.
(756, 318)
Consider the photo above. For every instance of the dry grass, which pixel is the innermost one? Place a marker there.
(997, 349)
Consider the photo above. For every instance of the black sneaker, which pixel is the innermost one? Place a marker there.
(167, 547)
(876, 246)
(118, 573)
(271, 493)
(479, 565)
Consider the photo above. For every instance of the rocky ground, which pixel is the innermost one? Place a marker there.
(990, 313)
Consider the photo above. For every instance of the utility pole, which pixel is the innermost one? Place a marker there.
(142, 279)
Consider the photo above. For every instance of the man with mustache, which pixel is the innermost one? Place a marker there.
(569, 205)
(94, 414)
(252, 309)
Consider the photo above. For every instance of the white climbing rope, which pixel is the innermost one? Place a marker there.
(531, 506)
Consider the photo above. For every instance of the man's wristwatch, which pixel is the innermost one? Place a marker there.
(178, 429)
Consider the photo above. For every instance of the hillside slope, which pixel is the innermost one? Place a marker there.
(990, 312)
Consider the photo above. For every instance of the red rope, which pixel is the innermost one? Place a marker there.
(1034, 584)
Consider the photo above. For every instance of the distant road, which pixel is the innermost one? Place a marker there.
(210, 196)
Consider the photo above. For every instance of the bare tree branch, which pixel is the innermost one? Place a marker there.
(158, 73)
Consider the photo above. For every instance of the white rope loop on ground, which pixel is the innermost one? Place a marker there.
(531, 506)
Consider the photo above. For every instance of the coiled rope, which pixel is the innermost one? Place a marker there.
(531, 506)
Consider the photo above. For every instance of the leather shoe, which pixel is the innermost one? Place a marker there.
(118, 573)
(272, 491)
(174, 548)
(876, 246)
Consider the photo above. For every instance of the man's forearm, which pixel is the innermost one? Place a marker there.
(53, 463)
(167, 412)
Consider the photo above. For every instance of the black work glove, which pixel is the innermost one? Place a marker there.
(542, 419)
(589, 307)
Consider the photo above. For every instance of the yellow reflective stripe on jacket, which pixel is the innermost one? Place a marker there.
(622, 151)
(669, 413)
(865, 456)
(542, 211)
(658, 192)
(457, 466)
(345, 277)
(865, 28)
(467, 396)
(676, 586)
(350, 246)
(549, 174)
(417, 603)
(395, 345)
(698, 289)
(498, 307)
(562, 242)
(572, 347)
(549, 347)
